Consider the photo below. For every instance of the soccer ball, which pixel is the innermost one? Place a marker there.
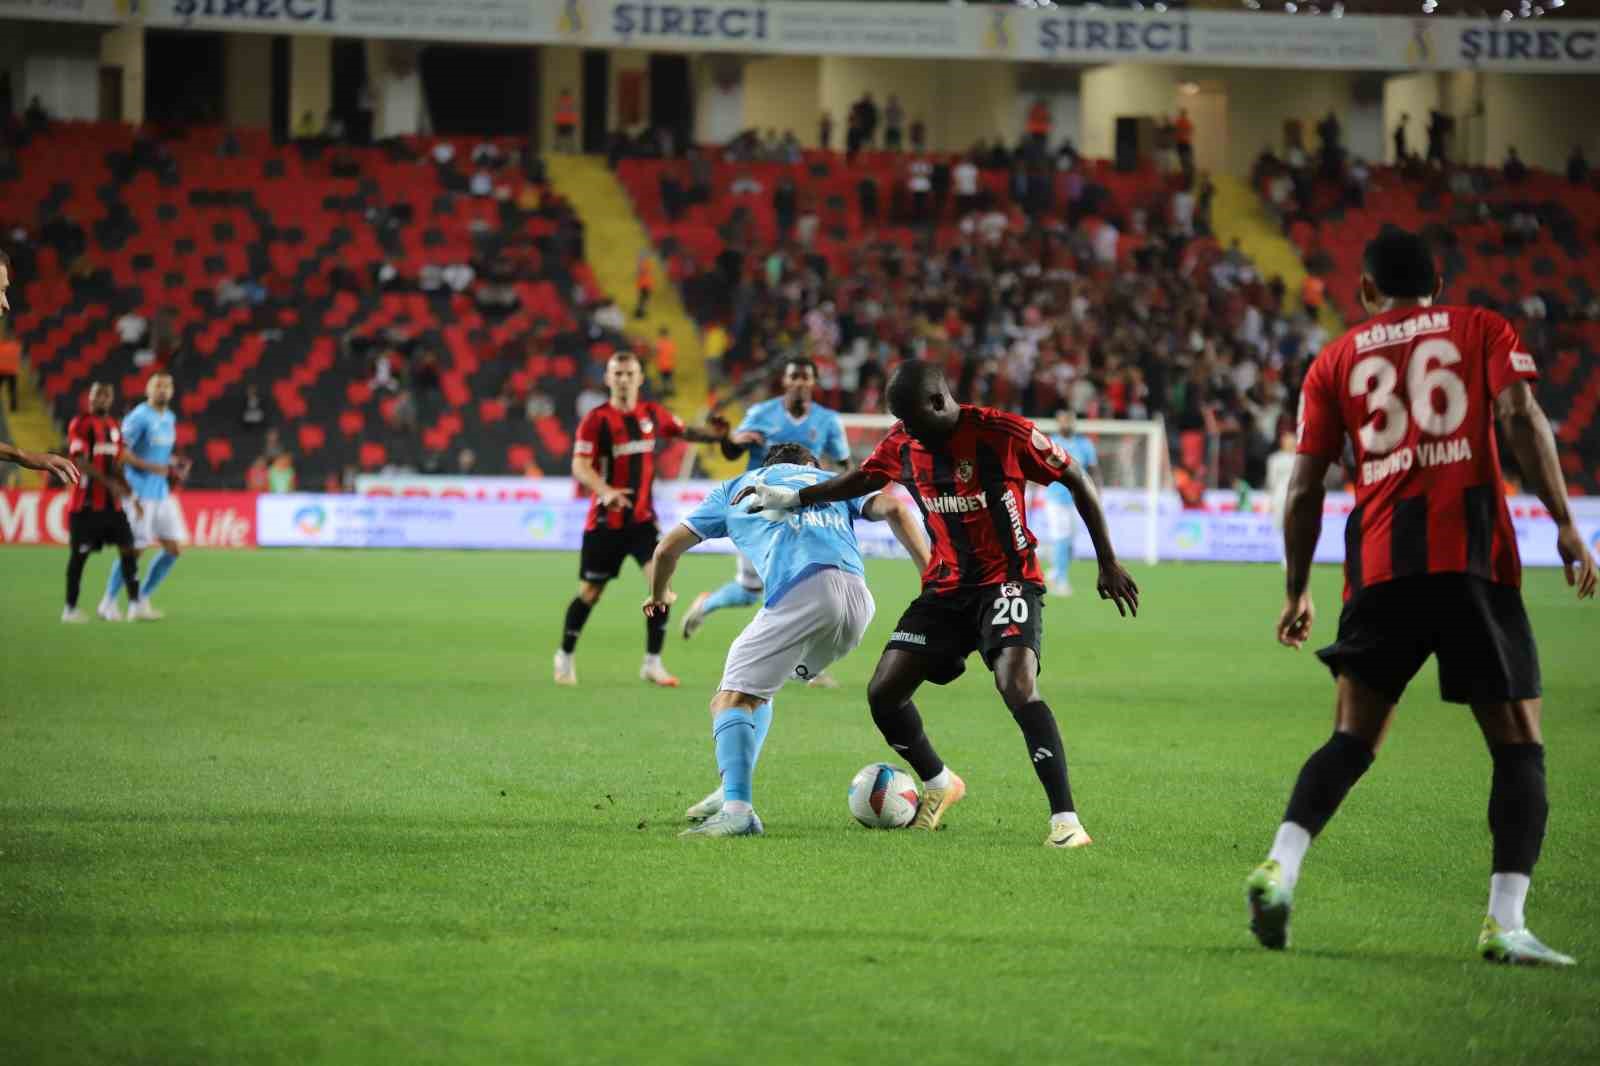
(883, 797)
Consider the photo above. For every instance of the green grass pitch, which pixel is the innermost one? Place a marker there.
(332, 810)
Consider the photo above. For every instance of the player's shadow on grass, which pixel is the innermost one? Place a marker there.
(1363, 956)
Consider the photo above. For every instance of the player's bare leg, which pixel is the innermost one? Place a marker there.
(1016, 678)
(1518, 810)
(566, 670)
(898, 676)
(738, 731)
(655, 637)
(1362, 716)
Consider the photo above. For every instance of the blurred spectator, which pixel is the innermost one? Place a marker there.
(1401, 154)
(894, 120)
(609, 316)
(1439, 125)
(666, 360)
(1514, 169)
(253, 415)
(256, 478)
(919, 135)
(1183, 140)
(566, 122)
(965, 177)
(466, 462)
(385, 373)
(825, 131)
(1577, 166)
(1038, 124)
(591, 397)
(35, 115)
(644, 282)
(280, 476)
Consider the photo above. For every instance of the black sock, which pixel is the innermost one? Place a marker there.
(130, 575)
(75, 564)
(1517, 806)
(655, 632)
(577, 614)
(902, 727)
(1044, 748)
(1325, 778)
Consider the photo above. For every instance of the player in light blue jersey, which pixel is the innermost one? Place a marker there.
(792, 418)
(817, 608)
(150, 431)
(1060, 514)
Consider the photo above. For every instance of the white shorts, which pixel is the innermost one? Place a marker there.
(818, 622)
(156, 520)
(1060, 520)
(745, 574)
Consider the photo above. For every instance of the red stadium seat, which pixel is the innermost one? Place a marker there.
(351, 423)
(312, 438)
(519, 458)
(373, 455)
(219, 450)
(187, 435)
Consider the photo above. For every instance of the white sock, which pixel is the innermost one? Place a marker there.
(1068, 818)
(1507, 894)
(736, 807)
(652, 661)
(1289, 848)
(940, 779)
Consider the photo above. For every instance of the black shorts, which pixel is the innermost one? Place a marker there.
(1478, 630)
(605, 549)
(949, 626)
(92, 530)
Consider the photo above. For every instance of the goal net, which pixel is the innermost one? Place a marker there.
(1133, 470)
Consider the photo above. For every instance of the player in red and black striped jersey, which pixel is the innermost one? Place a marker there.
(1431, 564)
(96, 517)
(967, 469)
(614, 458)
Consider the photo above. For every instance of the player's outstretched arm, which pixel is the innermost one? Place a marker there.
(1302, 526)
(664, 564)
(850, 486)
(61, 467)
(736, 444)
(1528, 431)
(715, 431)
(903, 524)
(1115, 583)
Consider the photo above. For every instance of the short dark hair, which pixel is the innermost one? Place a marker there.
(910, 381)
(803, 362)
(1400, 264)
(798, 454)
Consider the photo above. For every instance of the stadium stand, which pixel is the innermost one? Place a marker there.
(1522, 244)
(383, 312)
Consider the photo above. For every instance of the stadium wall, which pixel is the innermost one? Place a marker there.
(310, 78)
(247, 80)
(123, 47)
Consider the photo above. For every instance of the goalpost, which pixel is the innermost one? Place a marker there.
(1132, 454)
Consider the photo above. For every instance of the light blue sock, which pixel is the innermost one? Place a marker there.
(1063, 558)
(763, 720)
(158, 572)
(732, 594)
(734, 734)
(114, 581)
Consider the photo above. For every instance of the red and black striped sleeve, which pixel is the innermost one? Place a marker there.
(886, 459)
(1040, 459)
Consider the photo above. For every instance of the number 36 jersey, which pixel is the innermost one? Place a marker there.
(1413, 390)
